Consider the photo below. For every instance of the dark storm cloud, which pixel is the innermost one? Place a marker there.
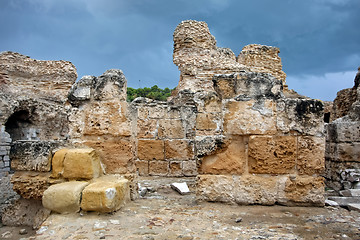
(316, 38)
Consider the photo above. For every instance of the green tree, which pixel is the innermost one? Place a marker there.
(154, 92)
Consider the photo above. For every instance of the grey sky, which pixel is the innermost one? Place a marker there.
(319, 40)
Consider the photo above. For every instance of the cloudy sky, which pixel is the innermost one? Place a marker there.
(319, 40)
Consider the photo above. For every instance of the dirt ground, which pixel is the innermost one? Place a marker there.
(164, 214)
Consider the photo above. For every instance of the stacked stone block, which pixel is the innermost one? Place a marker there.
(5, 142)
(165, 139)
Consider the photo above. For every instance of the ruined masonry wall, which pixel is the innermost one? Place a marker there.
(231, 127)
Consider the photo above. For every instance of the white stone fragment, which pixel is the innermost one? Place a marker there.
(331, 203)
(181, 188)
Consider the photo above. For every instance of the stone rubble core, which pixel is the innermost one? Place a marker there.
(228, 123)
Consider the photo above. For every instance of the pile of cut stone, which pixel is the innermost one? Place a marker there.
(84, 187)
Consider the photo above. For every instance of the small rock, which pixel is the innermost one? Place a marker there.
(99, 226)
(142, 191)
(115, 222)
(23, 231)
(238, 220)
(6, 234)
(42, 230)
(181, 188)
(331, 203)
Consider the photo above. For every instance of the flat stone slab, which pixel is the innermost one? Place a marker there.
(354, 206)
(331, 203)
(181, 188)
(345, 201)
(350, 193)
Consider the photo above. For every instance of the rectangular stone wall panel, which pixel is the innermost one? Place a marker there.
(115, 154)
(146, 128)
(151, 150)
(311, 155)
(107, 118)
(348, 152)
(179, 149)
(229, 160)
(158, 168)
(250, 117)
(272, 154)
(142, 167)
(304, 116)
(171, 128)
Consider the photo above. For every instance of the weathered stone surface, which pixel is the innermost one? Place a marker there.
(343, 131)
(106, 194)
(190, 168)
(107, 118)
(198, 58)
(142, 167)
(57, 163)
(342, 103)
(81, 164)
(246, 189)
(32, 155)
(25, 212)
(272, 154)
(305, 190)
(231, 159)
(151, 149)
(304, 116)
(350, 193)
(64, 197)
(81, 90)
(146, 128)
(348, 152)
(250, 117)
(260, 58)
(26, 76)
(311, 155)
(171, 128)
(175, 168)
(158, 168)
(179, 149)
(30, 185)
(116, 154)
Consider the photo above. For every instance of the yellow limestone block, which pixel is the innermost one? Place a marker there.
(64, 197)
(58, 163)
(106, 194)
(81, 164)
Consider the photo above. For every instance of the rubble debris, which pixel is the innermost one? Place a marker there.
(181, 188)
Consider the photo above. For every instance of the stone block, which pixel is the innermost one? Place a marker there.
(250, 117)
(350, 193)
(348, 152)
(81, 164)
(190, 168)
(208, 121)
(156, 112)
(311, 155)
(107, 118)
(230, 159)
(64, 197)
(142, 167)
(305, 190)
(175, 168)
(151, 150)
(354, 207)
(105, 194)
(32, 155)
(158, 168)
(25, 212)
(146, 128)
(225, 85)
(58, 163)
(345, 201)
(171, 128)
(246, 189)
(30, 185)
(304, 116)
(179, 149)
(272, 154)
(116, 154)
(343, 131)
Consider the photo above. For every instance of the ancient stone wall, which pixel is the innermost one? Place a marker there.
(343, 141)
(231, 127)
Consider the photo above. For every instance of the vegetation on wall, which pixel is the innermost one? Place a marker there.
(154, 92)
